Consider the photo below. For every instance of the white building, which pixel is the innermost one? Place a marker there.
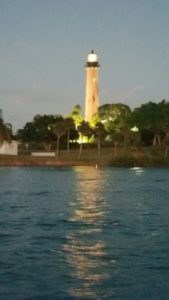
(9, 148)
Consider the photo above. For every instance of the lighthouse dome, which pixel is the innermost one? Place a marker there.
(92, 57)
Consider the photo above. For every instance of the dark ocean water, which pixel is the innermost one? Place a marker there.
(82, 233)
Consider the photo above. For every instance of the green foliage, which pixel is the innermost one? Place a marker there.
(113, 122)
(100, 134)
(164, 112)
(147, 116)
(76, 115)
(58, 129)
(114, 116)
(5, 130)
(99, 130)
(153, 118)
(39, 129)
(85, 129)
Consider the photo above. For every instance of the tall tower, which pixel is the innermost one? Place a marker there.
(92, 86)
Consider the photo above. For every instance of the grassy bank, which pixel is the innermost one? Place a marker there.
(143, 157)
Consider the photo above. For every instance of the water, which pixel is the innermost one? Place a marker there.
(82, 233)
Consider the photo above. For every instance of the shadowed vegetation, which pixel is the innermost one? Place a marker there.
(116, 130)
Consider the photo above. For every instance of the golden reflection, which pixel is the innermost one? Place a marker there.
(85, 250)
(89, 201)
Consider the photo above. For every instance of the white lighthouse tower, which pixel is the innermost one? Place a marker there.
(92, 86)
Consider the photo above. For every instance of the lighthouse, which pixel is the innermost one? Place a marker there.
(92, 86)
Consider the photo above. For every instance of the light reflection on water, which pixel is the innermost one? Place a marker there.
(138, 170)
(84, 233)
(84, 250)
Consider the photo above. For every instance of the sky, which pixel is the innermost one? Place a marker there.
(44, 46)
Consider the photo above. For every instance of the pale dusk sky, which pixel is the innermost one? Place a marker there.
(44, 46)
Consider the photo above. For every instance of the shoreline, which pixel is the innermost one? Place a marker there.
(43, 164)
(68, 164)
(140, 157)
(40, 162)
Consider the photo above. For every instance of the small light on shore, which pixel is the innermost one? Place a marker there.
(135, 129)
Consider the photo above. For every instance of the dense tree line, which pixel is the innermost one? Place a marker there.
(114, 124)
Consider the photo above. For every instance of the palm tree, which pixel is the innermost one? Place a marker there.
(117, 139)
(69, 124)
(76, 115)
(85, 130)
(5, 130)
(58, 130)
(99, 132)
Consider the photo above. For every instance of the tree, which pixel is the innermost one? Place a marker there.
(116, 120)
(164, 109)
(69, 124)
(85, 131)
(114, 116)
(117, 139)
(149, 117)
(58, 129)
(100, 133)
(164, 113)
(76, 115)
(5, 130)
(166, 144)
(38, 131)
